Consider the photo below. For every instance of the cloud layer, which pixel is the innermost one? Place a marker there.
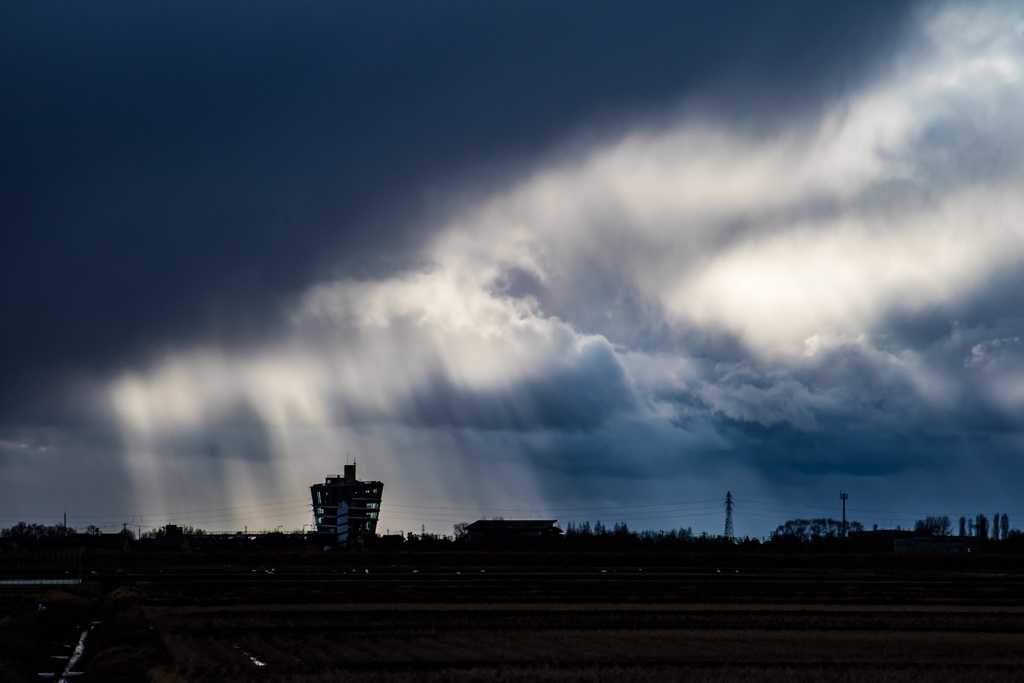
(682, 304)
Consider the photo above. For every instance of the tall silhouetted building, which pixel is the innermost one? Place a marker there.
(346, 509)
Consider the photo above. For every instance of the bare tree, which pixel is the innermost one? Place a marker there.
(815, 530)
(981, 527)
(1004, 526)
(934, 525)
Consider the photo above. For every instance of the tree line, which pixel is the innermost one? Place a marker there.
(25, 535)
(822, 534)
(998, 529)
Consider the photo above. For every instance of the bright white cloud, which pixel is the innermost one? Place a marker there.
(719, 229)
(845, 275)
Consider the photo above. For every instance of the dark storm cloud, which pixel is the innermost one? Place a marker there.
(582, 394)
(780, 450)
(532, 251)
(237, 434)
(865, 408)
(249, 443)
(50, 470)
(174, 174)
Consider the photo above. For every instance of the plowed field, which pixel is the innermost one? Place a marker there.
(399, 623)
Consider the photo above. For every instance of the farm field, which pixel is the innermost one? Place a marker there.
(388, 622)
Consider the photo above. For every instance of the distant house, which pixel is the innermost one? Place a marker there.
(877, 540)
(511, 531)
(935, 545)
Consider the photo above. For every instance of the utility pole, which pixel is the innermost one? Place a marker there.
(728, 516)
(843, 495)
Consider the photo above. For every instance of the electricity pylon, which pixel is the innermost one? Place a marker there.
(728, 516)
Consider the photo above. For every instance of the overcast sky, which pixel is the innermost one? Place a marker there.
(598, 260)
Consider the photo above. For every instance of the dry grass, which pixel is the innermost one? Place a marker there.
(547, 627)
(542, 673)
(607, 646)
(297, 645)
(37, 623)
